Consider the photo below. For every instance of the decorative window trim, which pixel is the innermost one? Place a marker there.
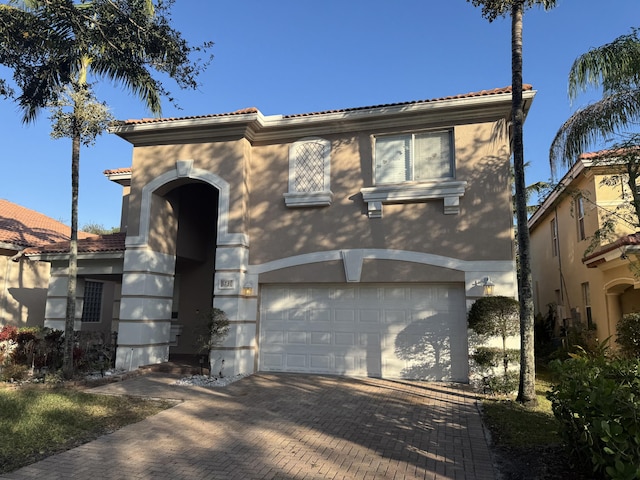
(317, 198)
(448, 190)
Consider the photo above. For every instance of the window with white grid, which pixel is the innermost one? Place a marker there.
(92, 302)
(309, 173)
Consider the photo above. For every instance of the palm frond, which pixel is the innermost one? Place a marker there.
(612, 66)
(593, 123)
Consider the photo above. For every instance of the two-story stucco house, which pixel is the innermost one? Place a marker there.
(592, 286)
(347, 242)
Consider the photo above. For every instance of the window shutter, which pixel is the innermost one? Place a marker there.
(393, 159)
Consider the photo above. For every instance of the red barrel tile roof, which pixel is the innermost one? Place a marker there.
(24, 227)
(113, 242)
(481, 93)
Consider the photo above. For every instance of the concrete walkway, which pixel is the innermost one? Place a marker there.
(285, 426)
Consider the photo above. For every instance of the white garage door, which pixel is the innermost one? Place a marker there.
(390, 331)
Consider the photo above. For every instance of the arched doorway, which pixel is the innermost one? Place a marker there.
(195, 206)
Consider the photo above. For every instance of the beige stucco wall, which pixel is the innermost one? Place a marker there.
(227, 159)
(23, 292)
(258, 176)
(481, 231)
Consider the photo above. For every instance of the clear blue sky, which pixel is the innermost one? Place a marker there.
(297, 56)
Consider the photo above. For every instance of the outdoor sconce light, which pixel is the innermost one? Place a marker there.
(487, 287)
(247, 289)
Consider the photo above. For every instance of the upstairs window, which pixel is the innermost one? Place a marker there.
(555, 248)
(580, 218)
(413, 157)
(309, 173)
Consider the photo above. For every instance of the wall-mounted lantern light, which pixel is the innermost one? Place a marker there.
(247, 289)
(487, 286)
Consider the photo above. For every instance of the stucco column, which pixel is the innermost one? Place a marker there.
(236, 293)
(145, 308)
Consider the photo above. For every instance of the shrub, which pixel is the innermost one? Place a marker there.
(493, 356)
(628, 336)
(597, 402)
(14, 373)
(502, 384)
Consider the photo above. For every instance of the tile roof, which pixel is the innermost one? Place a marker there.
(23, 227)
(631, 239)
(115, 171)
(113, 242)
(481, 93)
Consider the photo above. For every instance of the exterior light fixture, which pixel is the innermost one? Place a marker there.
(247, 289)
(487, 286)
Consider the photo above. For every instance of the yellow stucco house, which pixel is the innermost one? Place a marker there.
(24, 282)
(583, 285)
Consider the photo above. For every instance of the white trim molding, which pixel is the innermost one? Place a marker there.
(449, 190)
(304, 197)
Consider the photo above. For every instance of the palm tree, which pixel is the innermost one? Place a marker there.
(54, 46)
(492, 9)
(616, 68)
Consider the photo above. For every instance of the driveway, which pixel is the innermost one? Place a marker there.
(287, 426)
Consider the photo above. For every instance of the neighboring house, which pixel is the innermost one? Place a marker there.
(23, 283)
(583, 286)
(343, 242)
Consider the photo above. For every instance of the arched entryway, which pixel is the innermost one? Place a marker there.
(172, 270)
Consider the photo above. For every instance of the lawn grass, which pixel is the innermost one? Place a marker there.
(36, 422)
(526, 442)
(513, 425)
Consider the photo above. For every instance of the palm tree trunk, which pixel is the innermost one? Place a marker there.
(526, 389)
(69, 323)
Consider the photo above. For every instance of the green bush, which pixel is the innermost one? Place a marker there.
(628, 336)
(14, 373)
(487, 357)
(502, 384)
(597, 402)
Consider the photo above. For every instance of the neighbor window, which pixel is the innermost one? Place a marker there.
(92, 302)
(586, 299)
(413, 157)
(309, 173)
(580, 217)
(554, 238)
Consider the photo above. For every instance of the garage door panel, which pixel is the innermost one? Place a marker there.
(320, 338)
(394, 331)
(273, 337)
(345, 338)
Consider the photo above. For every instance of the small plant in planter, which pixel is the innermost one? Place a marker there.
(215, 331)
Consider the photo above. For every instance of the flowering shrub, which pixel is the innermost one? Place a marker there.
(8, 343)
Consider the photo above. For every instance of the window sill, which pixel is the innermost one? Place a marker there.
(308, 199)
(449, 190)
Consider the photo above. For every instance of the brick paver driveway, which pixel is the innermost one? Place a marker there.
(285, 426)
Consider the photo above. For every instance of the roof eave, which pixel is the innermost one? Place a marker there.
(255, 126)
(62, 256)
